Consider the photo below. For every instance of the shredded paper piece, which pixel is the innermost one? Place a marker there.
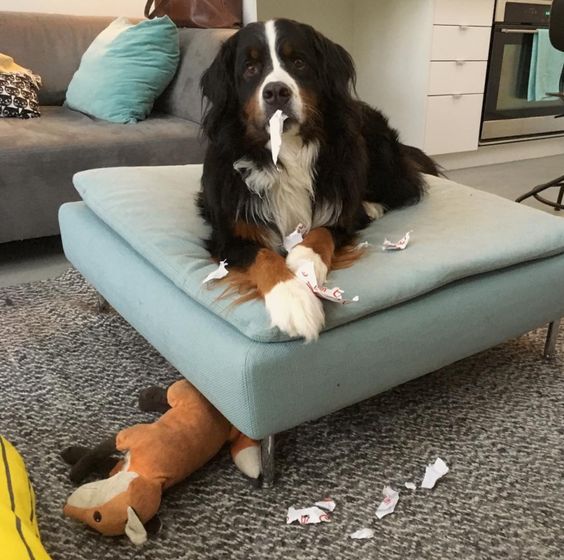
(327, 503)
(276, 123)
(295, 238)
(363, 245)
(410, 485)
(433, 472)
(389, 502)
(398, 245)
(363, 534)
(306, 273)
(220, 272)
(307, 516)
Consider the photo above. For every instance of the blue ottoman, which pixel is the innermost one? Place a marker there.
(479, 270)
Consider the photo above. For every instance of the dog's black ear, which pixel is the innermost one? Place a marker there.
(338, 69)
(218, 87)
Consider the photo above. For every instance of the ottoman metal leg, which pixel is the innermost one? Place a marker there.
(102, 306)
(267, 459)
(551, 336)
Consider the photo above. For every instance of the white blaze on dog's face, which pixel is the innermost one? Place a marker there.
(279, 90)
(276, 68)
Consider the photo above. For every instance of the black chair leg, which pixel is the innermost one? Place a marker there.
(540, 188)
(559, 199)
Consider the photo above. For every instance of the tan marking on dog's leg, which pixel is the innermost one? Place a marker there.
(268, 270)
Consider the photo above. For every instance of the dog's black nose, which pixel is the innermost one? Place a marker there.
(277, 94)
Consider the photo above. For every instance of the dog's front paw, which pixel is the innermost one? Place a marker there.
(300, 254)
(295, 309)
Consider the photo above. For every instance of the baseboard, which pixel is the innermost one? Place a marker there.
(502, 153)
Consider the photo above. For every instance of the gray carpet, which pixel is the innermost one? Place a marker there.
(69, 375)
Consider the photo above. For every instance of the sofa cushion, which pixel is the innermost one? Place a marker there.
(50, 45)
(38, 158)
(458, 232)
(125, 69)
(198, 48)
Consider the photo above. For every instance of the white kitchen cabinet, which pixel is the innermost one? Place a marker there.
(453, 123)
(462, 76)
(457, 73)
(464, 12)
(460, 42)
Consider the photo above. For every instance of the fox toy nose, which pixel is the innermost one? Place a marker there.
(277, 94)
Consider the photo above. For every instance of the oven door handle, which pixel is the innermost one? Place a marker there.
(525, 31)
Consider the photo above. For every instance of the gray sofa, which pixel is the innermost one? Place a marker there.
(38, 157)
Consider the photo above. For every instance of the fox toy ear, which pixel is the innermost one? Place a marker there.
(134, 529)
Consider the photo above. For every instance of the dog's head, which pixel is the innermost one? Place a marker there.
(280, 64)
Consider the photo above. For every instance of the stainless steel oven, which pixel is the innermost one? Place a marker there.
(508, 113)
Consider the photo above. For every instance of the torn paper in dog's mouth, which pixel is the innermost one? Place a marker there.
(276, 126)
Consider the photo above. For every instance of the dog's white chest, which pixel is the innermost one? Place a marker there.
(284, 194)
(292, 195)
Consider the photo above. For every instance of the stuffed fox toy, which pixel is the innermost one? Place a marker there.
(156, 456)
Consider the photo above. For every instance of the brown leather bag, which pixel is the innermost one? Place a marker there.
(198, 13)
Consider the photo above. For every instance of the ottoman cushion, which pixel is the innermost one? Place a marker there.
(458, 232)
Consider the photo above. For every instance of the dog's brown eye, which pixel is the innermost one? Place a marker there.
(251, 69)
(97, 516)
(299, 64)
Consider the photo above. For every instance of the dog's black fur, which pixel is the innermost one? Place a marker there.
(360, 157)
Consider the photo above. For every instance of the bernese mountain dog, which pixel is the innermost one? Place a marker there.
(340, 164)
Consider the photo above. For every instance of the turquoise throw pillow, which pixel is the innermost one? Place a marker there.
(125, 69)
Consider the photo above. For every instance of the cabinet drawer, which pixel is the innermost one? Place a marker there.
(453, 42)
(452, 123)
(464, 12)
(457, 77)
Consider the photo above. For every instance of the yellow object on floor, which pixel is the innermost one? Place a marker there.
(19, 534)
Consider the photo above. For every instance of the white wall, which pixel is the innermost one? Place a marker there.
(131, 8)
(391, 49)
(249, 11)
(333, 18)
